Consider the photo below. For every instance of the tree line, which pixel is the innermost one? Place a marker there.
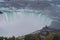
(47, 37)
(34, 37)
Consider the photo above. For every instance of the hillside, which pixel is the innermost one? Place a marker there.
(43, 32)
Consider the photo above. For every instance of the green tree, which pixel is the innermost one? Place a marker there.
(5, 38)
(57, 37)
(32, 37)
(29, 37)
(17, 39)
(1, 38)
(37, 37)
(49, 37)
(11, 38)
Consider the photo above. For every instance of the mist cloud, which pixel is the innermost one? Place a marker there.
(25, 23)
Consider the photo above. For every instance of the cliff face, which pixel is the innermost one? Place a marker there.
(47, 29)
(43, 32)
(50, 30)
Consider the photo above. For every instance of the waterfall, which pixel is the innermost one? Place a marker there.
(13, 22)
(15, 16)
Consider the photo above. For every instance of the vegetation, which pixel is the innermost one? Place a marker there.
(56, 37)
(32, 37)
(37, 37)
(49, 37)
(10, 38)
(29, 37)
(53, 37)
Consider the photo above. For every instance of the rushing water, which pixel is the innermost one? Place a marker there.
(22, 22)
